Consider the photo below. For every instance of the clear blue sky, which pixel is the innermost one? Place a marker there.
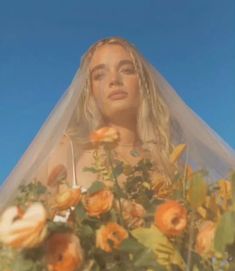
(192, 43)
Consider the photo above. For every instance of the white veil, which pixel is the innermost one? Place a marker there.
(205, 148)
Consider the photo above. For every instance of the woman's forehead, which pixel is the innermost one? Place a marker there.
(109, 53)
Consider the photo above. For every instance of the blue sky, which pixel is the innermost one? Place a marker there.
(192, 43)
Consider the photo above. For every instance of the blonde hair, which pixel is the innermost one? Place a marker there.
(153, 119)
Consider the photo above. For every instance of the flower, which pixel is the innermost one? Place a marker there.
(171, 218)
(104, 135)
(19, 229)
(133, 213)
(177, 152)
(205, 238)
(63, 252)
(99, 202)
(225, 189)
(110, 233)
(161, 186)
(68, 198)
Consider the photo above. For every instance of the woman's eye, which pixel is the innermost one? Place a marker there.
(98, 76)
(128, 70)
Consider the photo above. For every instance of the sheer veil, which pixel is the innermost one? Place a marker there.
(57, 140)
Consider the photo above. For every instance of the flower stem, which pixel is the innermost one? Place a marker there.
(116, 183)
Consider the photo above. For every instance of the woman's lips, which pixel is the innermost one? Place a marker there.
(117, 95)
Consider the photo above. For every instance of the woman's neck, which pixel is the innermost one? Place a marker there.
(127, 132)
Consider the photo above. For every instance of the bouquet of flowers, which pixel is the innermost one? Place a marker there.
(147, 223)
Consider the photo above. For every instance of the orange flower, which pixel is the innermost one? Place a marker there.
(63, 252)
(104, 135)
(132, 212)
(110, 232)
(68, 198)
(20, 229)
(205, 238)
(161, 185)
(171, 218)
(99, 202)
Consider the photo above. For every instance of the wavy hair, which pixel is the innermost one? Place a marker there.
(153, 119)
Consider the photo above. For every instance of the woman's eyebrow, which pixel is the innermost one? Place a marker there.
(103, 66)
(124, 61)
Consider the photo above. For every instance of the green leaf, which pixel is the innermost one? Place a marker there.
(96, 187)
(86, 231)
(80, 212)
(147, 258)
(195, 268)
(23, 264)
(118, 192)
(58, 227)
(90, 169)
(233, 186)
(197, 190)
(130, 245)
(118, 170)
(225, 232)
(153, 239)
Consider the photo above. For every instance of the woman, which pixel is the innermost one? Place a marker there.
(118, 113)
(120, 95)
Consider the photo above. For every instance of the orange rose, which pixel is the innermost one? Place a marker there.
(20, 229)
(98, 203)
(104, 135)
(205, 238)
(171, 218)
(132, 212)
(161, 185)
(63, 252)
(110, 232)
(68, 198)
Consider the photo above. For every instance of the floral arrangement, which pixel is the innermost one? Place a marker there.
(150, 222)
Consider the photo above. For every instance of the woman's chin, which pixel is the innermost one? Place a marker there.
(120, 111)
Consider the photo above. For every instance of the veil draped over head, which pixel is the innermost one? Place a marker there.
(58, 144)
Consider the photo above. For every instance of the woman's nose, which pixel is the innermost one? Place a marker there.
(115, 79)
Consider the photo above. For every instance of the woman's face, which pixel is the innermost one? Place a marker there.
(114, 81)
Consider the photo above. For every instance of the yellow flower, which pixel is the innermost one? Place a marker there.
(161, 185)
(20, 229)
(104, 135)
(63, 252)
(171, 218)
(205, 238)
(98, 203)
(225, 189)
(177, 152)
(110, 232)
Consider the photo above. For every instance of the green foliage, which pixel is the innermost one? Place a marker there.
(233, 186)
(96, 187)
(197, 190)
(58, 227)
(118, 169)
(22, 263)
(153, 239)
(30, 192)
(225, 232)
